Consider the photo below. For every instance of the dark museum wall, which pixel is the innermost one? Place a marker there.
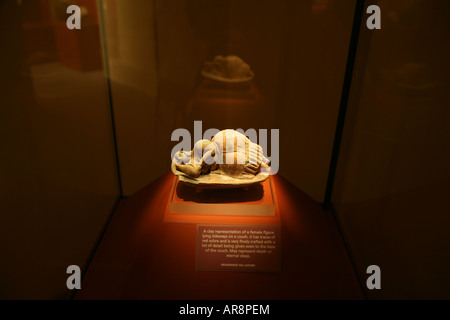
(131, 47)
(393, 180)
(57, 166)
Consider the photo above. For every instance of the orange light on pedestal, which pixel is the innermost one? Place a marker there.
(256, 206)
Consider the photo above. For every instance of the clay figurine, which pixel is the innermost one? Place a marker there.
(229, 158)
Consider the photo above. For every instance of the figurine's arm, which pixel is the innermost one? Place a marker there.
(252, 168)
(208, 161)
(191, 170)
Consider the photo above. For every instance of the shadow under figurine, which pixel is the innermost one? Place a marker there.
(229, 160)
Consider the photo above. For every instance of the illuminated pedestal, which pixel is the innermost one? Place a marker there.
(238, 229)
(256, 200)
(144, 255)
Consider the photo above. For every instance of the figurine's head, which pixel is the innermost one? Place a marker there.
(199, 150)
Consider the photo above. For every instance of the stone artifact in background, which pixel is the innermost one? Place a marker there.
(227, 69)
